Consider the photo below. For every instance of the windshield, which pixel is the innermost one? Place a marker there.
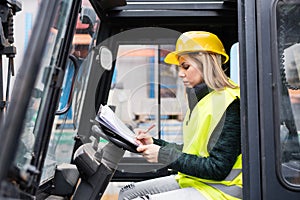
(24, 153)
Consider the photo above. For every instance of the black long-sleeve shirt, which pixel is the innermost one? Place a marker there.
(224, 148)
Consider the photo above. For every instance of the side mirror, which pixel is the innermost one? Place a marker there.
(105, 58)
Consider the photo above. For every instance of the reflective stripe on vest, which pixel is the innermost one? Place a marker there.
(233, 174)
(232, 190)
(201, 124)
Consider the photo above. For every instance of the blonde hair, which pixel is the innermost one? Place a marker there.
(210, 65)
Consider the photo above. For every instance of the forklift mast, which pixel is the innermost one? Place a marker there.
(8, 9)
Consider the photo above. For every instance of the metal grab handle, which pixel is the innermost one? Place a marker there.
(70, 98)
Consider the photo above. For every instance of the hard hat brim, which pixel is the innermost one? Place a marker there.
(172, 57)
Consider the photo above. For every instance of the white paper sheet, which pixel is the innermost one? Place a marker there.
(108, 118)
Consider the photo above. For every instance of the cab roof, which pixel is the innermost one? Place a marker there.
(130, 10)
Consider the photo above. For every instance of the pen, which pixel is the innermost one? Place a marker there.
(148, 129)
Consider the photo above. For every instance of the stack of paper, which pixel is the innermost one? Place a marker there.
(107, 118)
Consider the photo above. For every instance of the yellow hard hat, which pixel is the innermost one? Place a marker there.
(197, 41)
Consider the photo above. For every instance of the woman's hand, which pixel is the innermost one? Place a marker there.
(149, 152)
(143, 138)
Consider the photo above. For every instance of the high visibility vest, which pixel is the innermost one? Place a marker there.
(197, 129)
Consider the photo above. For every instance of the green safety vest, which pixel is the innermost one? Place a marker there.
(196, 134)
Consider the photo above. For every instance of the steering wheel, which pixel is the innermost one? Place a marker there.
(117, 140)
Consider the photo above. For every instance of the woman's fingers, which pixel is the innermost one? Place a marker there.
(149, 152)
(142, 148)
(143, 136)
(138, 142)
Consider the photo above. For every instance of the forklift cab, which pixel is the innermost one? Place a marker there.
(88, 53)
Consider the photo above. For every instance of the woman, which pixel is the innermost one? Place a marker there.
(209, 164)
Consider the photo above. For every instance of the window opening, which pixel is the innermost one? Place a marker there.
(288, 33)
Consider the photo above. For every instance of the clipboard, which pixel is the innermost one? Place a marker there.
(115, 129)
